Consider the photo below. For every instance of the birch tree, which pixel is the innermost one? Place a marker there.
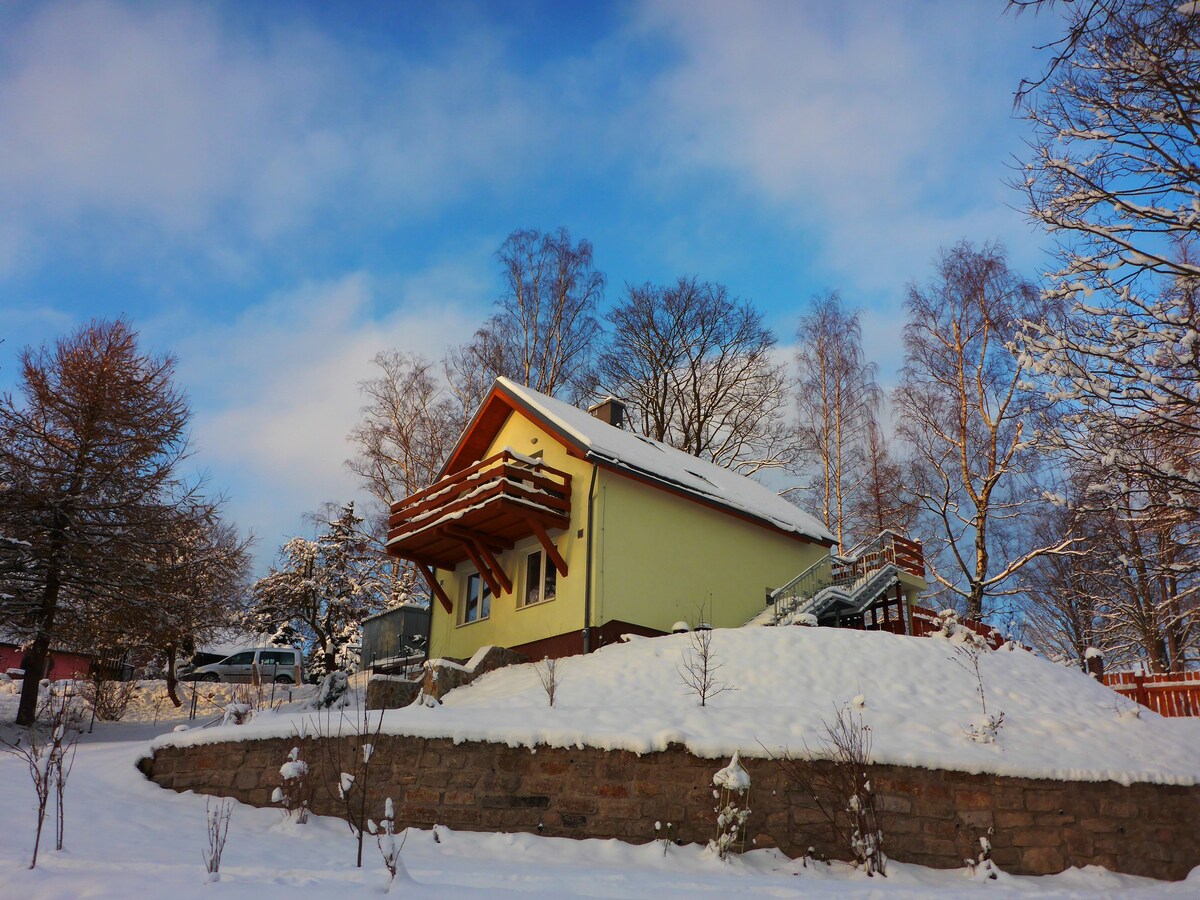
(1114, 176)
(968, 416)
(698, 370)
(545, 332)
(837, 400)
(882, 501)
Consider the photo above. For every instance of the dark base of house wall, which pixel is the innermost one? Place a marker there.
(931, 817)
(571, 643)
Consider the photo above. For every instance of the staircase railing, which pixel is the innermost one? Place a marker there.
(847, 573)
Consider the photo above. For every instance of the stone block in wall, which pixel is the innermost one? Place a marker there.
(440, 679)
(390, 692)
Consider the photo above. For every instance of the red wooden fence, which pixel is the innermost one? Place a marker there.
(926, 620)
(1176, 694)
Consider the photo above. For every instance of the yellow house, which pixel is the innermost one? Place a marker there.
(553, 532)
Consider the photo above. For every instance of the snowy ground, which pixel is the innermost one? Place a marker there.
(918, 700)
(126, 837)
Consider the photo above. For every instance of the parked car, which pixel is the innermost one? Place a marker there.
(278, 664)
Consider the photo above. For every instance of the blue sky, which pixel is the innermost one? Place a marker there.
(274, 192)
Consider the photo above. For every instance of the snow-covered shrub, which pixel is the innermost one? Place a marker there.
(218, 830)
(333, 692)
(731, 791)
(986, 728)
(295, 793)
(950, 628)
(983, 866)
(666, 838)
(389, 843)
(108, 698)
(547, 672)
(837, 778)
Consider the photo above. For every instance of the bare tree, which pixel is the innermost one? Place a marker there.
(1067, 593)
(1115, 176)
(837, 777)
(699, 372)
(91, 456)
(408, 427)
(545, 331)
(882, 501)
(547, 673)
(551, 289)
(700, 667)
(837, 399)
(968, 415)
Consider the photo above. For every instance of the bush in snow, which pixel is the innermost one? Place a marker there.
(986, 729)
(218, 830)
(700, 667)
(333, 692)
(49, 753)
(666, 838)
(243, 705)
(983, 864)
(837, 778)
(547, 671)
(731, 791)
(295, 793)
(349, 746)
(108, 698)
(389, 843)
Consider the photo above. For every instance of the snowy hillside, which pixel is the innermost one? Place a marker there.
(1058, 723)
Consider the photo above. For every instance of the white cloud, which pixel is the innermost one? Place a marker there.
(214, 135)
(883, 129)
(276, 391)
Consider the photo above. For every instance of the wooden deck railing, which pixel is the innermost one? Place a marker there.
(1172, 694)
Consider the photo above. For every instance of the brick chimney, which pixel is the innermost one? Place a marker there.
(610, 410)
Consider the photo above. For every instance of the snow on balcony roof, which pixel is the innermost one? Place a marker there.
(663, 463)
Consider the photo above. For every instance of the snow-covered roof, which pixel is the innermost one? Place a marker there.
(663, 463)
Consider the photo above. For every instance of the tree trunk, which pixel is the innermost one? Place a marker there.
(40, 649)
(172, 679)
(35, 665)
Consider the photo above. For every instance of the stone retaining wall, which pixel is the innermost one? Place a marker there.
(933, 817)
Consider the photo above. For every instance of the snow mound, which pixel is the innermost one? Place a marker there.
(1058, 723)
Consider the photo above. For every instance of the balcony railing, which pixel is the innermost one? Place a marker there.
(479, 512)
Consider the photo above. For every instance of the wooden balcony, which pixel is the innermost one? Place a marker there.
(479, 512)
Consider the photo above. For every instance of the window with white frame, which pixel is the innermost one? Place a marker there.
(541, 579)
(477, 604)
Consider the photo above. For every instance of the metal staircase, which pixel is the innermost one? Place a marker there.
(836, 587)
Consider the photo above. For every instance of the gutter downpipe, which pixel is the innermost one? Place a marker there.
(587, 583)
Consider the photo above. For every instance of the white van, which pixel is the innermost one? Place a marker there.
(278, 664)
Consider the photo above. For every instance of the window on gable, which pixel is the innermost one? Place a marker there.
(477, 604)
(541, 579)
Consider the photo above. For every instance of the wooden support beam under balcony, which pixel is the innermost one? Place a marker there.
(548, 545)
(437, 589)
(480, 511)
